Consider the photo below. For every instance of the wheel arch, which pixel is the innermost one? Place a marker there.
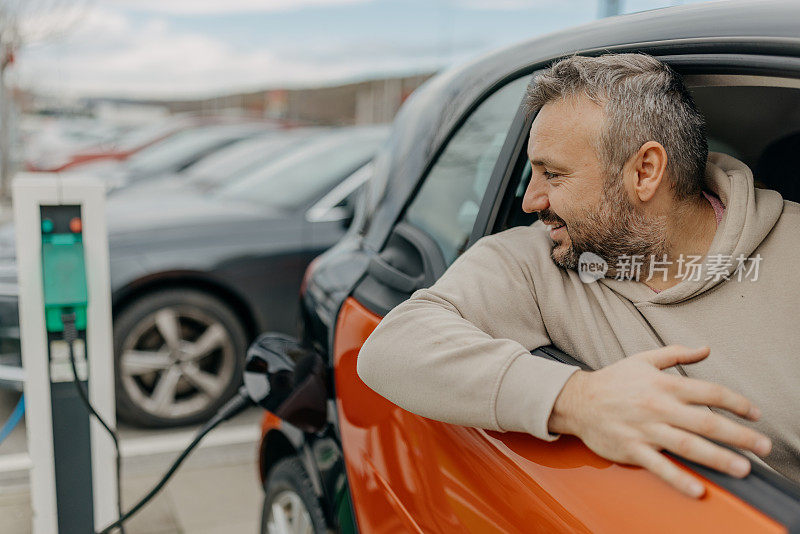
(130, 292)
(281, 441)
(275, 446)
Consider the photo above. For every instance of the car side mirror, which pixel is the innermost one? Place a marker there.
(287, 379)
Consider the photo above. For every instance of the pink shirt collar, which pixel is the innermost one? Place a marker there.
(716, 203)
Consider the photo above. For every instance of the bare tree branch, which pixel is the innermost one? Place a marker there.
(25, 22)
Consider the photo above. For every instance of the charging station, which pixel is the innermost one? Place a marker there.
(63, 270)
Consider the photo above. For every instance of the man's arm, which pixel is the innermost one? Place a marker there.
(459, 352)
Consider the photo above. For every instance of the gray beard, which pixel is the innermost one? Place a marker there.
(614, 229)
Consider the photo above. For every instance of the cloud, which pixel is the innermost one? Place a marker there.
(208, 7)
(111, 55)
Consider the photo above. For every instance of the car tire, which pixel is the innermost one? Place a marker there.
(290, 505)
(179, 356)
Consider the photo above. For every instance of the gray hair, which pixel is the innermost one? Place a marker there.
(644, 100)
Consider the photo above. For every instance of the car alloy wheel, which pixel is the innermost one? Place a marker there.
(288, 515)
(290, 504)
(178, 359)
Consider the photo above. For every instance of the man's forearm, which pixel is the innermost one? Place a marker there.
(459, 351)
(431, 361)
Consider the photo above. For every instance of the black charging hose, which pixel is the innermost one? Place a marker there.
(236, 405)
(70, 335)
(233, 407)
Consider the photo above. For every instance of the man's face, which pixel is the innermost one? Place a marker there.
(587, 210)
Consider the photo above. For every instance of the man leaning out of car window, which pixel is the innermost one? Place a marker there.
(657, 264)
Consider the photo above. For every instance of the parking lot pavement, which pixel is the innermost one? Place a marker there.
(216, 490)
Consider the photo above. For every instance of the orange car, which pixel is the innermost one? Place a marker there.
(335, 455)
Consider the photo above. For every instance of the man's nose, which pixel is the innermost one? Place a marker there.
(535, 198)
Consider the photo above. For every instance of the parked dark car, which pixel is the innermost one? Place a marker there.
(174, 154)
(228, 164)
(336, 455)
(195, 273)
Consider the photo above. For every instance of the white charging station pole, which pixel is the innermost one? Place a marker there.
(54, 438)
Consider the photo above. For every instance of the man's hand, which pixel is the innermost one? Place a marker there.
(629, 411)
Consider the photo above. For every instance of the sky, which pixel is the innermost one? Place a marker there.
(201, 48)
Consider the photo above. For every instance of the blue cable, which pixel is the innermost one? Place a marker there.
(14, 419)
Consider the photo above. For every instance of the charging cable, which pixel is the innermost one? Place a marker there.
(70, 335)
(233, 407)
(13, 419)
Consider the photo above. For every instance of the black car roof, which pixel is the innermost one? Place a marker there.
(421, 127)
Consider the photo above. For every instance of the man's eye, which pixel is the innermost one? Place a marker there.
(550, 175)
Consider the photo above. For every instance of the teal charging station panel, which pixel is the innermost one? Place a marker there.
(63, 267)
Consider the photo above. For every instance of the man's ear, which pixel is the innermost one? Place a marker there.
(648, 168)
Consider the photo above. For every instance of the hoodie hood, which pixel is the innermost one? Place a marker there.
(750, 215)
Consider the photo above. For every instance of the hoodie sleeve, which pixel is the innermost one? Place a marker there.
(459, 352)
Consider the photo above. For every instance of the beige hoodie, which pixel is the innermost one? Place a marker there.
(459, 351)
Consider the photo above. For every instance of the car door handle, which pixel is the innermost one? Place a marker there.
(393, 277)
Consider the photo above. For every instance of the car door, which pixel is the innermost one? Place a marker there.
(408, 473)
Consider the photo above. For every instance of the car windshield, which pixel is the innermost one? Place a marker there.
(182, 146)
(230, 163)
(307, 172)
